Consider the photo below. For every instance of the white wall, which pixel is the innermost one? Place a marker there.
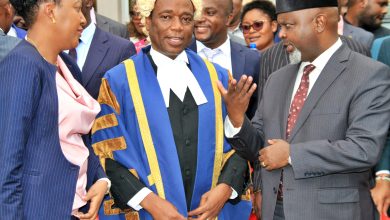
(117, 10)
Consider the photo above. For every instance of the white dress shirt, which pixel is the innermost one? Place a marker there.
(221, 55)
(319, 63)
(84, 45)
(12, 32)
(176, 76)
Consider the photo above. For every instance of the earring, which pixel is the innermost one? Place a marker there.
(53, 20)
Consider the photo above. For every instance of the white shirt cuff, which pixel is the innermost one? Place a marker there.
(382, 172)
(289, 160)
(138, 198)
(230, 130)
(108, 183)
(234, 194)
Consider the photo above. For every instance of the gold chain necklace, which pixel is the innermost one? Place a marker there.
(36, 47)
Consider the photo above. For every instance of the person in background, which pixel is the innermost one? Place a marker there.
(234, 30)
(98, 51)
(136, 27)
(19, 22)
(372, 17)
(350, 23)
(8, 13)
(213, 43)
(7, 43)
(258, 23)
(47, 172)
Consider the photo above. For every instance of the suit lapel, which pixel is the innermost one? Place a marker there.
(102, 23)
(329, 74)
(96, 53)
(238, 60)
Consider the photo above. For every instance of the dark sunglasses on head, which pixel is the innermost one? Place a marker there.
(257, 26)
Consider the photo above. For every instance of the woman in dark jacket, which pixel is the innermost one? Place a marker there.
(47, 172)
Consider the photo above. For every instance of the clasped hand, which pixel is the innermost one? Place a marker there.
(210, 205)
(274, 156)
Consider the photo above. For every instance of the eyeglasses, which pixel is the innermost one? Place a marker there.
(135, 13)
(257, 26)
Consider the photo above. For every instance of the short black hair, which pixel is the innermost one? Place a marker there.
(28, 9)
(265, 6)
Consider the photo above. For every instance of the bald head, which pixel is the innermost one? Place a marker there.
(237, 6)
(228, 6)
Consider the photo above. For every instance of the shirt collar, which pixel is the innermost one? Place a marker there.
(88, 32)
(323, 58)
(12, 32)
(93, 15)
(225, 47)
(159, 57)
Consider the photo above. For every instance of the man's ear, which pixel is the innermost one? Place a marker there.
(229, 19)
(10, 10)
(320, 22)
(363, 3)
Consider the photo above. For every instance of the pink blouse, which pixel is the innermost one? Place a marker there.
(77, 112)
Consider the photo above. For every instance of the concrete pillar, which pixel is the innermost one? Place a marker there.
(117, 10)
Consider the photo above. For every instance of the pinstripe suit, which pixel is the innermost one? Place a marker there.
(275, 58)
(336, 140)
(7, 43)
(37, 181)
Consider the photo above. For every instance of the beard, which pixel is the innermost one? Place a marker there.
(295, 56)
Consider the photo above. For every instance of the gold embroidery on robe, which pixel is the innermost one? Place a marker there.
(129, 214)
(105, 149)
(106, 96)
(105, 121)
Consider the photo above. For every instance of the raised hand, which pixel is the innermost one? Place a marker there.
(237, 98)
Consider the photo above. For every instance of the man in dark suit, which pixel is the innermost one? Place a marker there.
(7, 43)
(98, 52)
(351, 27)
(274, 59)
(212, 43)
(7, 14)
(372, 17)
(317, 147)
